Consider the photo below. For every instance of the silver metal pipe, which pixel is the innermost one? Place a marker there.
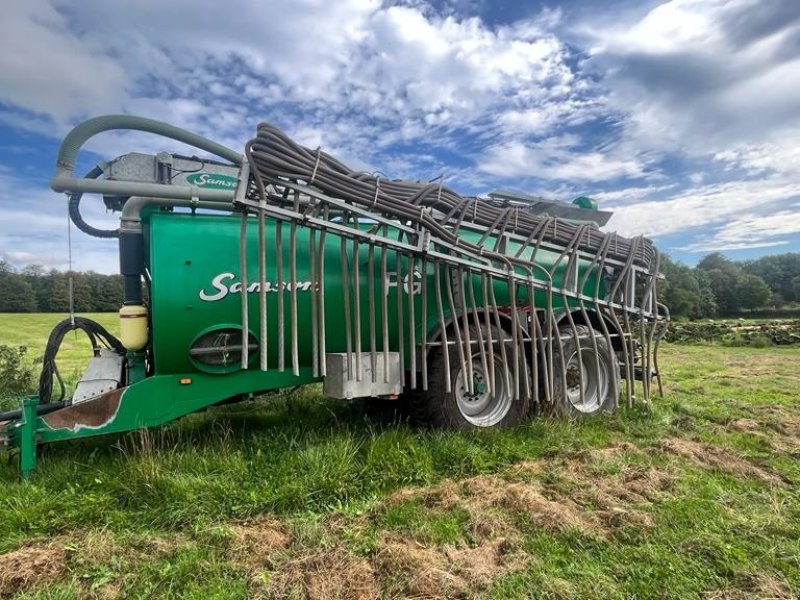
(357, 303)
(315, 285)
(489, 337)
(281, 294)
(412, 319)
(424, 329)
(385, 315)
(459, 340)
(113, 187)
(442, 326)
(321, 299)
(262, 290)
(462, 296)
(243, 279)
(371, 308)
(401, 337)
(293, 295)
(346, 297)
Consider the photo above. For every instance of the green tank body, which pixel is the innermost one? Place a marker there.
(196, 287)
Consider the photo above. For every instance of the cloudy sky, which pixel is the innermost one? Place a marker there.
(681, 116)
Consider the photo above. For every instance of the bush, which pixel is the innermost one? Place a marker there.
(16, 375)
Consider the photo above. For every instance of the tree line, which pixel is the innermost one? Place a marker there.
(720, 287)
(717, 286)
(34, 289)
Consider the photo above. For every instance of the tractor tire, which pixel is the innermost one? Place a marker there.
(460, 409)
(600, 385)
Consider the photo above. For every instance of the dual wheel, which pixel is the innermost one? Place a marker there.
(585, 382)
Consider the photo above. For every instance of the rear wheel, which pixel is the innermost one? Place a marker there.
(588, 381)
(478, 405)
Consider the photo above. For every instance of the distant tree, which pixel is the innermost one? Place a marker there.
(58, 300)
(679, 290)
(106, 291)
(752, 291)
(82, 293)
(723, 276)
(796, 288)
(778, 271)
(16, 294)
(111, 293)
(36, 276)
(708, 301)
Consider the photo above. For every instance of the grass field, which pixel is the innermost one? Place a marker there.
(694, 496)
(31, 330)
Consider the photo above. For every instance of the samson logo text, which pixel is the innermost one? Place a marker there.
(212, 180)
(221, 288)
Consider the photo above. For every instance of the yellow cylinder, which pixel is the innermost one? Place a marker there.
(133, 327)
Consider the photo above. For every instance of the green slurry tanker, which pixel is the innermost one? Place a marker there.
(280, 266)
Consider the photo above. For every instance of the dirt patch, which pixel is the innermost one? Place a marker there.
(556, 496)
(748, 425)
(527, 468)
(447, 572)
(715, 457)
(620, 499)
(255, 542)
(615, 450)
(541, 505)
(332, 574)
(759, 586)
(779, 436)
(573, 495)
(35, 564)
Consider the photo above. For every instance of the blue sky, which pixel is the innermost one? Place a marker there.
(681, 116)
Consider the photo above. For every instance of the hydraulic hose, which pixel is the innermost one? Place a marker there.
(75, 211)
(93, 330)
(75, 139)
(272, 154)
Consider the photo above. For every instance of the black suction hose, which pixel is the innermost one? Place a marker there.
(95, 332)
(41, 409)
(75, 211)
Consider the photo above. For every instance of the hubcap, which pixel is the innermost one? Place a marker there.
(583, 375)
(481, 407)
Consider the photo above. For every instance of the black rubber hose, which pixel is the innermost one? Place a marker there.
(77, 218)
(94, 332)
(92, 329)
(41, 409)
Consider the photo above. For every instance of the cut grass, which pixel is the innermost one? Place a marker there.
(694, 496)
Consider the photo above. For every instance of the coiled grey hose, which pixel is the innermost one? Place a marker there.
(273, 154)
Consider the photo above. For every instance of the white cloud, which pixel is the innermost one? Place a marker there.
(712, 86)
(46, 68)
(703, 206)
(702, 76)
(558, 158)
(751, 231)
